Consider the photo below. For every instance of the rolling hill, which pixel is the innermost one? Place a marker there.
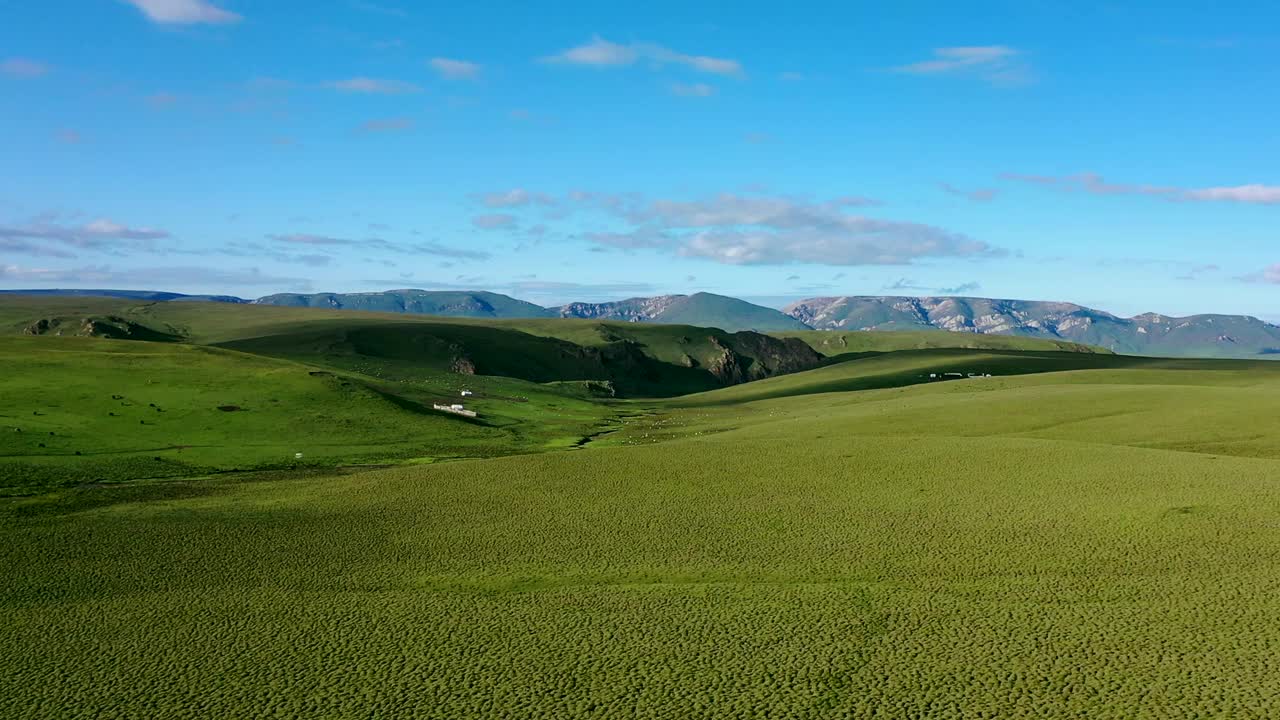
(1085, 532)
(1235, 336)
(1227, 336)
(418, 302)
(631, 359)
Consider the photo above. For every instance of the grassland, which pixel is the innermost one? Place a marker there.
(1077, 536)
(86, 410)
(837, 343)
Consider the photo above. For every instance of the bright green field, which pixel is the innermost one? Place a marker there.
(1080, 536)
(134, 410)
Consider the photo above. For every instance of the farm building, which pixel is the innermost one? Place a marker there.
(456, 409)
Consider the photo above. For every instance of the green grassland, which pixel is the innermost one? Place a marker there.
(80, 410)
(1080, 535)
(836, 343)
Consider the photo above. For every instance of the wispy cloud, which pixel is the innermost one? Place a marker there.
(67, 136)
(452, 69)
(24, 68)
(1269, 275)
(961, 289)
(997, 64)
(187, 278)
(1092, 183)
(43, 236)
(599, 52)
(387, 125)
(1197, 271)
(378, 9)
(24, 246)
(907, 284)
(976, 195)
(374, 86)
(693, 89)
(495, 221)
(375, 244)
(1254, 194)
(184, 12)
(516, 197)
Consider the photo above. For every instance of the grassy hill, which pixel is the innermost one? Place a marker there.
(1097, 538)
(85, 410)
(653, 360)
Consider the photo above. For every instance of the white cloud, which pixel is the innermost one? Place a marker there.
(603, 53)
(1255, 194)
(184, 12)
(693, 90)
(515, 197)
(951, 59)
(101, 234)
(451, 69)
(374, 86)
(1269, 275)
(598, 52)
(24, 68)
(997, 64)
(976, 195)
(761, 230)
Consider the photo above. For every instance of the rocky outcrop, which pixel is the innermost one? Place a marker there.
(1150, 333)
(633, 310)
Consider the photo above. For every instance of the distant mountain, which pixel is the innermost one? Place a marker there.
(1236, 336)
(701, 309)
(1226, 336)
(152, 295)
(423, 302)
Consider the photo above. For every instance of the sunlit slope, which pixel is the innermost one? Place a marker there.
(908, 367)
(77, 410)
(840, 342)
(1206, 406)
(819, 574)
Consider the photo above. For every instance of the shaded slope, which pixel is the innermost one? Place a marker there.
(658, 365)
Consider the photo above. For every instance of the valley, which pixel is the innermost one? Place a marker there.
(835, 535)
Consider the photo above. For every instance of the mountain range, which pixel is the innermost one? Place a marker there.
(1236, 336)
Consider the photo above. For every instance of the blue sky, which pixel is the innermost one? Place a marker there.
(1119, 155)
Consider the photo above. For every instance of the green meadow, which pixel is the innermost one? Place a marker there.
(1078, 535)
